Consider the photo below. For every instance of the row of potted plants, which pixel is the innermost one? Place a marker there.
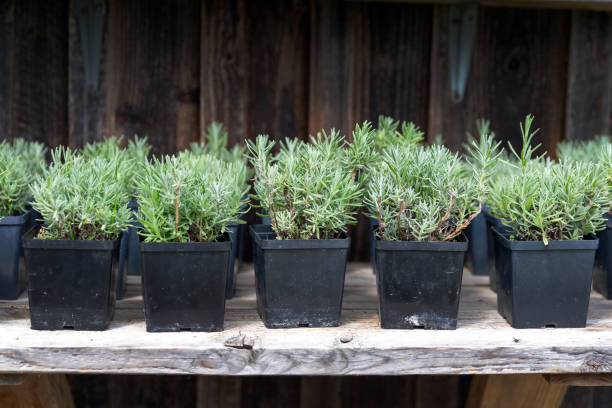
(422, 199)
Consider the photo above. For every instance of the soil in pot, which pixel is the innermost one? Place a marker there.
(544, 285)
(602, 273)
(477, 259)
(72, 284)
(184, 285)
(419, 283)
(299, 283)
(12, 271)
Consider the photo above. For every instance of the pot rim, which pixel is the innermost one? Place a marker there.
(553, 245)
(331, 243)
(174, 247)
(73, 245)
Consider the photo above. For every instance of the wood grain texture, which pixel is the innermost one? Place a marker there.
(223, 67)
(589, 87)
(277, 61)
(38, 107)
(152, 71)
(38, 391)
(151, 391)
(7, 40)
(585, 380)
(368, 60)
(519, 66)
(514, 391)
(86, 108)
(483, 342)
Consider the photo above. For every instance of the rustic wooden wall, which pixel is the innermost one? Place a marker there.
(289, 68)
(150, 391)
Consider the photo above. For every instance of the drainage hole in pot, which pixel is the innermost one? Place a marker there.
(418, 327)
(68, 327)
(304, 325)
(185, 329)
(550, 326)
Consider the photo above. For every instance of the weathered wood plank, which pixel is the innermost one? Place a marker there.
(519, 66)
(218, 392)
(151, 391)
(152, 71)
(38, 107)
(584, 380)
(589, 88)
(38, 391)
(560, 4)
(7, 39)
(223, 67)
(86, 108)
(514, 391)
(483, 343)
(277, 75)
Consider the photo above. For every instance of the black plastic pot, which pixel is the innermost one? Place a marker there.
(492, 222)
(12, 276)
(373, 226)
(72, 284)
(299, 283)
(184, 285)
(544, 285)
(122, 265)
(602, 273)
(234, 233)
(134, 257)
(477, 259)
(419, 283)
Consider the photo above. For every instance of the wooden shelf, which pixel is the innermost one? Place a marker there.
(482, 344)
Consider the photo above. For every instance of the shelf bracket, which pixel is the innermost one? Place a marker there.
(463, 20)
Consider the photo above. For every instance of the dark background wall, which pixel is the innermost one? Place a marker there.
(289, 68)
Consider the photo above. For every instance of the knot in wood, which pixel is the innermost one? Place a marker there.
(346, 338)
(240, 341)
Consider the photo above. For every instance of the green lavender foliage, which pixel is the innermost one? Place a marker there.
(390, 132)
(605, 158)
(33, 153)
(216, 144)
(422, 193)
(588, 150)
(189, 198)
(597, 150)
(20, 164)
(131, 159)
(311, 190)
(80, 199)
(542, 200)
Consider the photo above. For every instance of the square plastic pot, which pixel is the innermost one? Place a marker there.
(122, 266)
(544, 285)
(234, 233)
(72, 284)
(492, 222)
(184, 285)
(419, 283)
(12, 276)
(299, 283)
(602, 273)
(477, 259)
(373, 225)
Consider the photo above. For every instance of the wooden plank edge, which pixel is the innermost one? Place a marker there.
(598, 5)
(580, 380)
(338, 360)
